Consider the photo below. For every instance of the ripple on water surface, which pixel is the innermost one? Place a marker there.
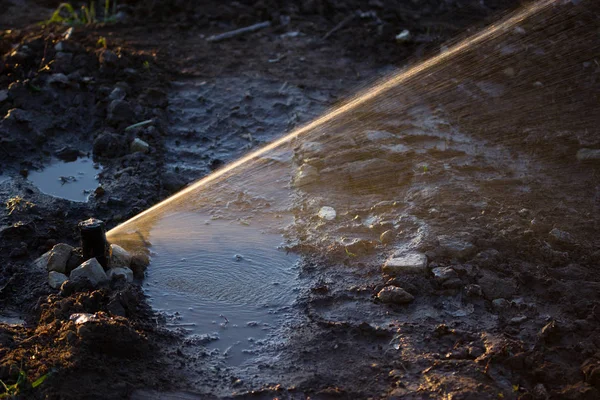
(68, 180)
(221, 276)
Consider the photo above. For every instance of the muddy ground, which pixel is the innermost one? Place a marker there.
(517, 314)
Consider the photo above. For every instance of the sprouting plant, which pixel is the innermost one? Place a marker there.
(17, 203)
(101, 42)
(20, 385)
(88, 14)
(349, 253)
(15, 388)
(65, 14)
(146, 65)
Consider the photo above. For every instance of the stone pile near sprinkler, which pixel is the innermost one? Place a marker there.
(94, 264)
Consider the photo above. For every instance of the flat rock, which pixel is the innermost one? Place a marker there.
(42, 261)
(59, 255)
(117, 273)
(589, 155)
(119, 257)
(306, 175)
(56, 279)
(92, 270)
(561, 238)
(378, 136)
(518, 319)
(442, 274)
(494, 287)
(68, 153)
(139, 263)
(407, 263)
(120, 111)
(139, 146)
(394, 295)
(58, 79)
(311, 149)
(500, 304)
(110, 145)
(456, 246)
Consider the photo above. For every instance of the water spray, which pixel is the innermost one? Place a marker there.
(359, 100)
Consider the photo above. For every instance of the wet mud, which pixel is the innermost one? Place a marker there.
(502, 210)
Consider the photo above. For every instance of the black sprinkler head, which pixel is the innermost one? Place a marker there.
(93, 240)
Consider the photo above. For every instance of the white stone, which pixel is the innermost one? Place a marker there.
(138, 145)
(518, 319)
(397, 148)
(327, 213)
(114, 273)
(378, 136)
(59, 255)
(119, 257)
(56, 279)
(407, 263)
(588, 155)
(92, 270)
(403, 36)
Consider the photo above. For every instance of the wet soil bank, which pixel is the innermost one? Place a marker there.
(511, 311)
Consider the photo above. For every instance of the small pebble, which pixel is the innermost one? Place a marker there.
(327, 213)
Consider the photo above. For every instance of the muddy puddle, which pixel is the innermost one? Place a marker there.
(11, 318)
(225, 283)
(68, 180)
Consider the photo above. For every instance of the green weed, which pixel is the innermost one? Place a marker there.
(101, 42)
(66, 14)
(63, 14)
(22, 384)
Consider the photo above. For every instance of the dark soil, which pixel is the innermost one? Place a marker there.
(79, 98)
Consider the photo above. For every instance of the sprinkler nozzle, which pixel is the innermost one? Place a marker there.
(93, 240)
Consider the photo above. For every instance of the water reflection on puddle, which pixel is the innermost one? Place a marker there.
(220, 277)
(11, 318)
(68, 180)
